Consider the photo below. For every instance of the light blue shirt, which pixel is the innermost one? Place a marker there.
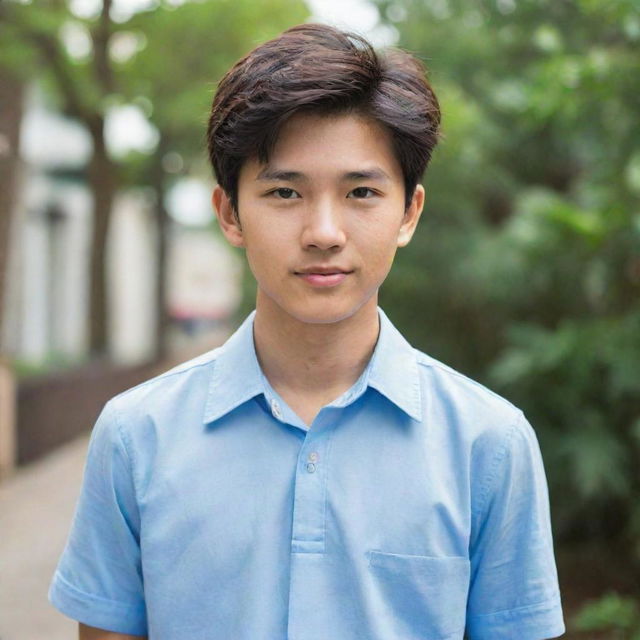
(415, 507)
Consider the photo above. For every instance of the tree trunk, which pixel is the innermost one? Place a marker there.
(162, 221)
(11, 94)
(102, 182)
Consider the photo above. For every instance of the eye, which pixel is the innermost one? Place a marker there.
(361, 193)
(284, 193)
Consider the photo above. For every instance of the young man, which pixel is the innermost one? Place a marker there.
(315, 478)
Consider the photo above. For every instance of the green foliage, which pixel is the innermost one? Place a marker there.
(186, 51)
(614, 613)
(54, 362)
(166, 60)
(173, 58)
(525, 272)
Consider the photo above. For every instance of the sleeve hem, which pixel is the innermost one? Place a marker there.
(535, 622)
(95, 611)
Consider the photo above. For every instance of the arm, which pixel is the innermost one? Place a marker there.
(91, 633)
(98, 581)
(514, 585)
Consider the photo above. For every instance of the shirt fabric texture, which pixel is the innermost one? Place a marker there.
(414, 508)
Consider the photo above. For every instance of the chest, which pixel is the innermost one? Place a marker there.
(368, 481)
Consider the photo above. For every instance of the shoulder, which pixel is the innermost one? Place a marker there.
(181, 390)
(491, 434)
(164, 414)
(489, 428)
(464, 400)
(169, 382)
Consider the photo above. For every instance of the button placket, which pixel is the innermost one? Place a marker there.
(309, 511)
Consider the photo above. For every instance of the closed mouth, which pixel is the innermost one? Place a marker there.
(322, 271)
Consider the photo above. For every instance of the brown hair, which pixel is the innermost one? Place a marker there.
(320, 69)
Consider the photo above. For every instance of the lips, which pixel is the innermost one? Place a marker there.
(322, 270)
(323, 276)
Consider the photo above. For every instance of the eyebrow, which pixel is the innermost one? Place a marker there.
(274, 175)
(367, 174)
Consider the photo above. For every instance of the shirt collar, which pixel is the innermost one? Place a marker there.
(392, 371)
(236, 374)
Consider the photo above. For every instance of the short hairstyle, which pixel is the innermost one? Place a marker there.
(320, 69)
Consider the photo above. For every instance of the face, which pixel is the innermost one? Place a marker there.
(321, 221)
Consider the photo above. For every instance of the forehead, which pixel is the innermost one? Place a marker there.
(326, 145)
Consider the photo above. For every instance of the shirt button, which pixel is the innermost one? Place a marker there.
(311, 467)
(275, 409)
(313, 456)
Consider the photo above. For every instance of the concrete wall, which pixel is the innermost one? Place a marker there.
(55, 408)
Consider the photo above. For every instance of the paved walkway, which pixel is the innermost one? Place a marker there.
(36, 508)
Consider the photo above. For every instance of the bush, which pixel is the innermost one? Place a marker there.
(615, 613)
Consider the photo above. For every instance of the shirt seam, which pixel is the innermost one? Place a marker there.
(495, 467)
(126, 447)
(331, 435)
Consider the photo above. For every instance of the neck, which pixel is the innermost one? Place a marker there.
(316, 362)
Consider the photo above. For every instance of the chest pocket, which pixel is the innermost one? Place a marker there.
(425, 596)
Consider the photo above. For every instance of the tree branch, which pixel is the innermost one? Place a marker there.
(50, 52)
(100, 35)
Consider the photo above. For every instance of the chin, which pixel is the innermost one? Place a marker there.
(328, 307)
(325, 312)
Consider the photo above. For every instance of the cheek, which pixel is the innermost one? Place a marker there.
(379, 243)
(386, 260)
(266, 250)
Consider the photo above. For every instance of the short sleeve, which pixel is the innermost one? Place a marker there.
(98, 580)
(514, 584)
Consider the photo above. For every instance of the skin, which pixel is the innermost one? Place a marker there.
(91, 633)
(309, 208)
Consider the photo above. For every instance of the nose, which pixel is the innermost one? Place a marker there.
(323, 228)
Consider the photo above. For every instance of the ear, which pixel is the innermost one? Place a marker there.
(411, 217)
(227, 218)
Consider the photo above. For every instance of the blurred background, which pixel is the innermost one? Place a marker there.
(524, 273)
